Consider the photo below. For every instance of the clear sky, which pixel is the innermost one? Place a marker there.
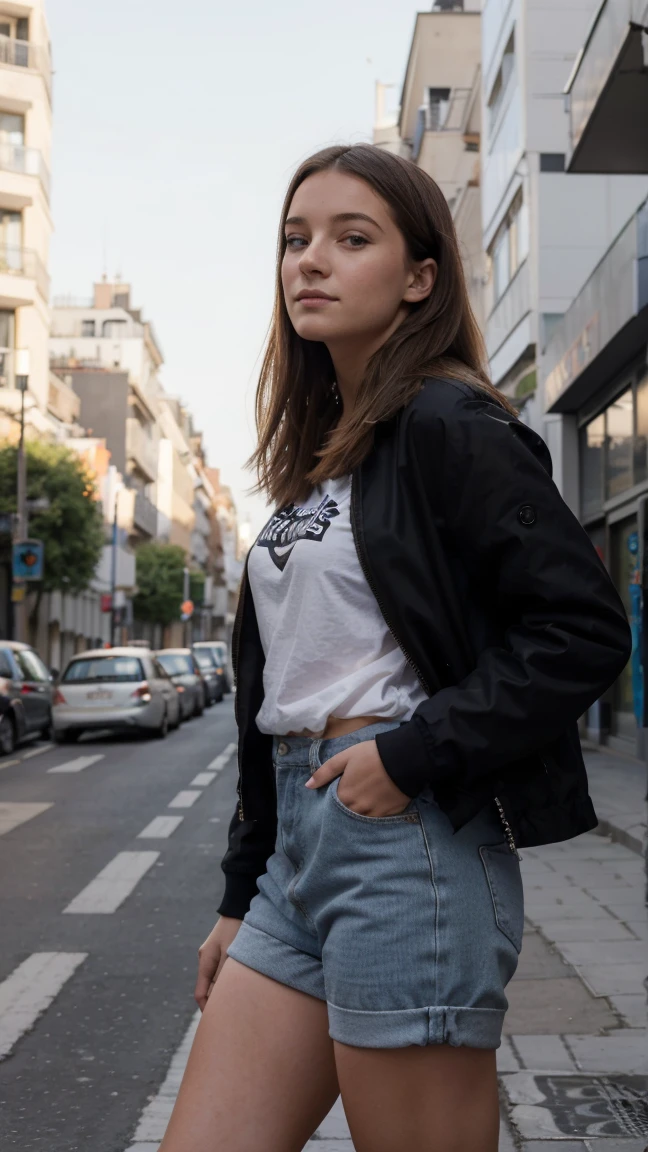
(176, 131)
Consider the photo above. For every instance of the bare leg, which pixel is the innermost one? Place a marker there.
(434, 1099)
(261, 1072)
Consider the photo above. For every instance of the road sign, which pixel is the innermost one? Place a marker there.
(106, 602)
(28, 558)
(186, 609)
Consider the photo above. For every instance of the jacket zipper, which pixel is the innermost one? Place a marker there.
(236, 637)
(508, 832)
(367, 576)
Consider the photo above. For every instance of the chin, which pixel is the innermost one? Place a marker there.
(315, 328)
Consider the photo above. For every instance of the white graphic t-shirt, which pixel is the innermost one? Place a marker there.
(328, 649)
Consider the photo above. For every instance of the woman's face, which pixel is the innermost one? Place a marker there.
(346, 273)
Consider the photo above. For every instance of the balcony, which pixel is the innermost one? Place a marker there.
(26, 162)
(22, 262)
(511, 308)
(605, 327)
(145, 515)
(141, 450)
(441, 116)
(607, 92)
(24, 54)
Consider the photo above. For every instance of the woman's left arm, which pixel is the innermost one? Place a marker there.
(566, 636)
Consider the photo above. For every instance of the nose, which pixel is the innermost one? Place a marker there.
(313, 260)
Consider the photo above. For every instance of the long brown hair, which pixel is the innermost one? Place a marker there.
(299, 445)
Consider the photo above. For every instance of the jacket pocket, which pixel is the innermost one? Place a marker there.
(502, 870)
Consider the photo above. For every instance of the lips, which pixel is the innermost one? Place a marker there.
(313, 296)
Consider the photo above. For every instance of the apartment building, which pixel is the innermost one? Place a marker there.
(25, 220)
(226, 590)
(105, 351)
(439, 121)
(594, 369)
(544, 229)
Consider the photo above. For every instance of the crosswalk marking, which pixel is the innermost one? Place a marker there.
(77, 765)
(113, 884)
(14, 813)
(160, 827)
(8, 763)
(221, 760)
(203, 779)
(155, 1117)
(37, 751)
(30, 989)
(184, 799)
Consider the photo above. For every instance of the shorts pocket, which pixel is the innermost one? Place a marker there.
(409, 815)
(505, 882)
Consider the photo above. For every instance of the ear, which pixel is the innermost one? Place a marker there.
(422, 278)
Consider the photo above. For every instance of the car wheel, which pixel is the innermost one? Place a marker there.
(163, 731)
(7, 735)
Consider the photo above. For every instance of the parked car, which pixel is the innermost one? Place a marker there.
(121, 689)
(218, 649)
(185, 674)
(26, 694)
(212, 672)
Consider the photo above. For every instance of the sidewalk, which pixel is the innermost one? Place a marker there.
(574, 1060)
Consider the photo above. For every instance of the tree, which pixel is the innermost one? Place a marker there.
(71, 527)
(159, 576)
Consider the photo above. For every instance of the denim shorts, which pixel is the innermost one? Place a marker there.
(408, 931)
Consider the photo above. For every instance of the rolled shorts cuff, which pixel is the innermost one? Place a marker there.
(459, 1027)
(274, 958)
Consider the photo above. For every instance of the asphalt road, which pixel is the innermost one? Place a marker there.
(99, 926)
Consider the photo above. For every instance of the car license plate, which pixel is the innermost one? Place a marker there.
(99, 694)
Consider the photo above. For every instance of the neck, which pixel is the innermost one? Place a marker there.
(350, 363)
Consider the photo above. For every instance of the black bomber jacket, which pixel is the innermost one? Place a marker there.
(499, 602)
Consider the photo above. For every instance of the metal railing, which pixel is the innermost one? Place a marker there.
(24, 54)
(140, 448)
(25, 262)
(25, 161)
(510, 309)
(145, 514)
(441, 116)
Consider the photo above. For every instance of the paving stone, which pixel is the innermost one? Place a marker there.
(596, 930)
(505, 1138)
(633, 1007)
(544, 1053)
(558, 910)
(625, 1051)
(507, 1060)
(541, 1007)
(539, 960)
(624, 896)
(552, 1146)
(535, 1122)
(612, 979)
(633, 1144)
(607, 952)
(638, 926)
(335, 1126)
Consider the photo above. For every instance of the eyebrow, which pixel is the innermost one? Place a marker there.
(340, 218)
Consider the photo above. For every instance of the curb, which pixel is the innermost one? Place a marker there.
(619, 836)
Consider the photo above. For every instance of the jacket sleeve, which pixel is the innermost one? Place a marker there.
(250, 843)
(565, 633)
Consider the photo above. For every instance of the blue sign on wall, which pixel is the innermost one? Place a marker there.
(28, 560)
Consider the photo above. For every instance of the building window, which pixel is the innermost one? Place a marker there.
(618, 442)
(10, 240)
(12, 128)
(87, 328)
(641, 430)
(511, 246)
(437, 110)
(7, 320)
(591, 459)
(501, 82)
(114, 329)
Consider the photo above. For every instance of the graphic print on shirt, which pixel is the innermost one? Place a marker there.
(294, 523)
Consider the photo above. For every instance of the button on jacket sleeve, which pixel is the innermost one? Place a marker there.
(565, 636)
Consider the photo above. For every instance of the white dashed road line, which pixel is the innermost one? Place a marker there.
(14, 813)
(30, 989)
(160, 828)
(77, 765)
(184, 799)
(203, 779)
(155, 1117)
(8, 763)
(37, 751)
(221, 760)
(113, 884)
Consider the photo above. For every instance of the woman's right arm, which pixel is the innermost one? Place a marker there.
(212, 955)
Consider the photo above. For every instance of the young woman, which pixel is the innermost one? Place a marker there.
(420, 625)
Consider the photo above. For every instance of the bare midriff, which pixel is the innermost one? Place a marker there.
(337, 726)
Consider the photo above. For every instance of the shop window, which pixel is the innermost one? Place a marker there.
(641, 431)
(618, 464)
(591, 456)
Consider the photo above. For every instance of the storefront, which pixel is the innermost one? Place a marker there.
(595, 373)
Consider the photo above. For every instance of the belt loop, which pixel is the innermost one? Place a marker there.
(313, 755)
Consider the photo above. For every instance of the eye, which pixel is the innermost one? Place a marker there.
(295, 241)
(356, 240)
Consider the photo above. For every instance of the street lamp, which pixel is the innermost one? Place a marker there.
(22, 381)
